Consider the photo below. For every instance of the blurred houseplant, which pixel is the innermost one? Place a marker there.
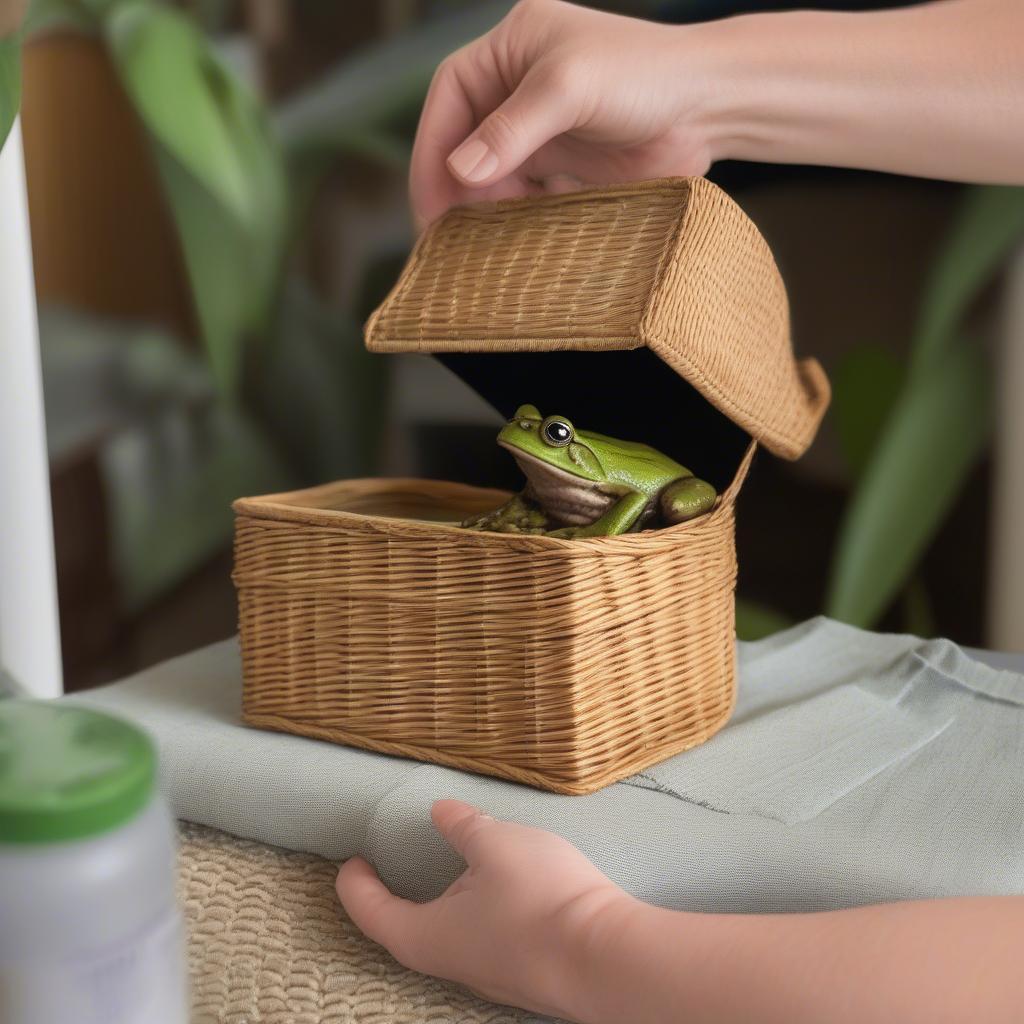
(281, 392)
(288, 374)
(913, 432)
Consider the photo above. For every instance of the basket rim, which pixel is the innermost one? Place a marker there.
(277, 508)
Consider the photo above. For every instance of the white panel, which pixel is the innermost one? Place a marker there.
(29, 635)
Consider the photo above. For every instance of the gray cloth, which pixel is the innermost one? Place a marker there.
(858, 767)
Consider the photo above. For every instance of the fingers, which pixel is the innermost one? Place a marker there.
(473, 137)
(447, 117)
(462, 825)
(535, 113)
(381, 916)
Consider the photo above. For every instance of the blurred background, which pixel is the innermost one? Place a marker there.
(217, 195)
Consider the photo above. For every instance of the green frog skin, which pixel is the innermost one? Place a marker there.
(581, 484)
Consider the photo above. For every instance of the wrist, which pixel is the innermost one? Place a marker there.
(590, 933)
(763, 89)
(641, 963)
(612, 960)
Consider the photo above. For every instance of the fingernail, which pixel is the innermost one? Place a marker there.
(473, 161)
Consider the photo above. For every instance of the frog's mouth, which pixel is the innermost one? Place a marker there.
(534, 468)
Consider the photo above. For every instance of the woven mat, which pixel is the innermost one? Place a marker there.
(269, 944)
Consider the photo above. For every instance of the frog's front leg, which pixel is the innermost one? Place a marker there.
(620, 518)
(686, 499)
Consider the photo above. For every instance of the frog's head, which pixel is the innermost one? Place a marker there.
(552, 440)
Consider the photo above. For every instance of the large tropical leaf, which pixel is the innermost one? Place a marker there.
(10, 84)
(989, 225)
(865, 387)
(221, 261)
(887, 527)
(175, 85)
(222, 173)
(371, 90)
(369, 103)
(934, 434)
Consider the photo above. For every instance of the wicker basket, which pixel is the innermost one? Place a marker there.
(369, 618)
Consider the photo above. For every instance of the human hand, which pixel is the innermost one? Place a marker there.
(556, 96)
(515, 927)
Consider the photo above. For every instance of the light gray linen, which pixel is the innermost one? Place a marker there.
(858, 767)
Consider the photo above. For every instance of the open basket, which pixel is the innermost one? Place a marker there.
(368, 617)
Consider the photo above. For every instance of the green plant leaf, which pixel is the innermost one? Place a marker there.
(754, 621)
(367, 106)
(222, 174)
(934, 435)
(318, 390)
(865, 388)
(221, 261)
(175, 84)
(10, 83)
(383, 83)
(989, 224)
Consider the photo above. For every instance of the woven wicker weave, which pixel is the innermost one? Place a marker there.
(368, 619)
(673, 264)
(564, 664)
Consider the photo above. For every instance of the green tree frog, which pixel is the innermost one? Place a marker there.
(581, 484)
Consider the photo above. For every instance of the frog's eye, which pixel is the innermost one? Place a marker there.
(556, 432)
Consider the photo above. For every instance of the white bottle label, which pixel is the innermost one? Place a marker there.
(138, 982)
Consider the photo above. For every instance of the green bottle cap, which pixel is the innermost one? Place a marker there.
(67, 772)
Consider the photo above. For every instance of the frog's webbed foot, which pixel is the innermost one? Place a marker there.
(686, 499)
(517, 515)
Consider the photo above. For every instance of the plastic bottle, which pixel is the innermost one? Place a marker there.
(90, 931)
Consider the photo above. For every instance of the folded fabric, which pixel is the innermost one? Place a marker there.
(858, 767)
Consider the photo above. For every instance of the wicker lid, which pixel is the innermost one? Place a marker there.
(673, 265)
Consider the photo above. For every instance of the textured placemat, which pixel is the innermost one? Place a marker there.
(269, 944)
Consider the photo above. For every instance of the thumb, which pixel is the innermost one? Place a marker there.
(534, 114)
(377, 913)
(461, 824)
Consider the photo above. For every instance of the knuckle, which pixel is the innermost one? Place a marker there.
(468, 828)
(501, 131)
(447, 67)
